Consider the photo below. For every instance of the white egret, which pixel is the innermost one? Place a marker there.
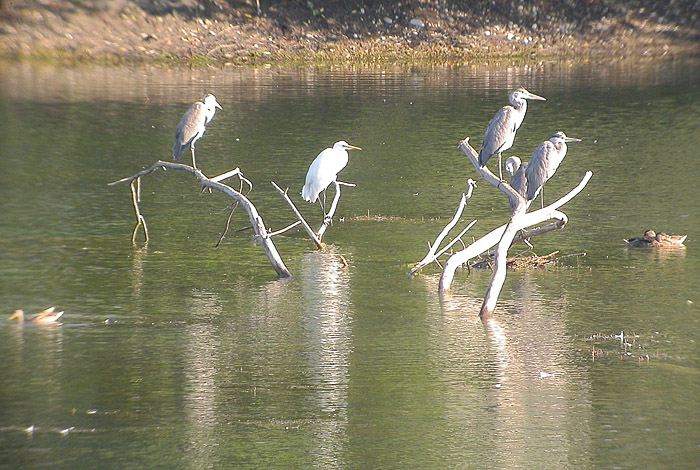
(193, 125)
(500, 133)
(544, 163)
(324, 170)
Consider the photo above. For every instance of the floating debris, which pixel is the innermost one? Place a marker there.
(524, 262)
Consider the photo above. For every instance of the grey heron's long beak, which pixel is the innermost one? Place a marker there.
(571, 139)
(532, 96)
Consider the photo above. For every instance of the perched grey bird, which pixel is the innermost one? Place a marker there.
(500, 133)
(544, 163)
(193, 125)
(515, 169)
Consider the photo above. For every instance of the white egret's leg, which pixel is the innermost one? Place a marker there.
(542, 197)
(323, 203)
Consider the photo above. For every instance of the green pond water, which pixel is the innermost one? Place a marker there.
(181, 355)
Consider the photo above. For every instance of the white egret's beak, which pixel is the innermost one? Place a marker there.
(216, 104)
(571, 139)
(352, 147)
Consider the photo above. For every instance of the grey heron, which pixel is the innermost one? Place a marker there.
(500, 133)
(324, 170)
(544, 163)
(515, 169)
(193, 125)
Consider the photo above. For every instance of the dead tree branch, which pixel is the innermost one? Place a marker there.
(301, 219)
(432, 256)
(256, 220)
(328, 220)
(504, 235)
(140, 220)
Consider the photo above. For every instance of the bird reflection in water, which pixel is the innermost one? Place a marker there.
(327, 318)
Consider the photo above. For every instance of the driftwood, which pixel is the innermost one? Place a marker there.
(503, 236)
(261, 233)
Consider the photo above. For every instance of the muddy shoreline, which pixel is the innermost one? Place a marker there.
(294, 34)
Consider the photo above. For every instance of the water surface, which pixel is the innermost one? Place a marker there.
(180, 355)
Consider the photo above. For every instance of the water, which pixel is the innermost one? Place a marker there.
(180, 355)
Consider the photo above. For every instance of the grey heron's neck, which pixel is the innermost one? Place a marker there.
(520, 104)
(560, 145)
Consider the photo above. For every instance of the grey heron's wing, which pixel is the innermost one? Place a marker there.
(538, 171)
(496, 133)
(519, 180)
(190, 125)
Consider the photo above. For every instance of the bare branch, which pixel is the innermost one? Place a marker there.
(228, 224)
(288, 227)
(329, 216)
(256, 220)
(493, 237)
(458, 238)
(486, 174)
(304, 224)
(140, 220)
(431, 256)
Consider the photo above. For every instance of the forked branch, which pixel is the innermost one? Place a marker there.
(215, 184)
(433, 253)
(504, 235)
(327, 221)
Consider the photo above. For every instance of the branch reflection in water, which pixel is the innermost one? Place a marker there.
(136, 276)
(522, 366)
(202, 392)
(327, 322)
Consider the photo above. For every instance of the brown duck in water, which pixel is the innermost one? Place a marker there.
(47, 316)
(653, 239)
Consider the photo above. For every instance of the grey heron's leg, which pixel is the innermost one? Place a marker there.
(542, 197)
(194, 160)
(500, 172)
